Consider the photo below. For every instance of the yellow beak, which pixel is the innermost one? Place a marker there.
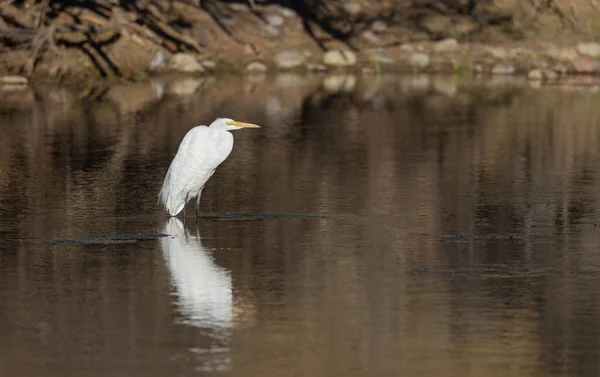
(242, 124)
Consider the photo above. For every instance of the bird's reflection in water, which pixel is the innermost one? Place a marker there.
(203, 290)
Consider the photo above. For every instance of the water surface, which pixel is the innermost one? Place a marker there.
(457, 234)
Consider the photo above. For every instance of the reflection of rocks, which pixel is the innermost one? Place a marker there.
(415, 83)
(419, 60)
(16, 96)
(183, 87)
(503, 81)
(586, 65)
(445, 85)
(289, 80)
(535, 75)
(503, 68)
(339, 83)
(340, 58)
(132, 97)
(13, 88)
(13, 80)
(316, 67)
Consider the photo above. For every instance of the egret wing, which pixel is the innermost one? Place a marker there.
(199, 154)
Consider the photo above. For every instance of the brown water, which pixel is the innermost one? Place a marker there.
(403, 276)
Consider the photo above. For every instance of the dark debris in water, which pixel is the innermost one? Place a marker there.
(108, 239)
(263, 215)
(459, 238)
(486, 271)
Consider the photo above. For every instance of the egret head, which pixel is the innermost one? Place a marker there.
(228, 124)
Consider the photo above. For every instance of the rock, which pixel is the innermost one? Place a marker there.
(316, 67)
(271, 31)
(586, 65)
(503, 68)
(275, 20)
(287, 13)
(352, 8)
(419, 60)
(339, 58)
(406, 48)
(436, 23)
(183, 62)
(497, 52)
(379, 26)
(289, 58)
(568, 54)
(464, 26)
(370, 37)
(13, 80)
(560, 69)
(238, 7)
(380, 57)
(535, 75)
(552, 50)
(226, 20)
(58, 70)
(521, 51)
(250, 49)
(588, 49)
(208, 65)
(446, 45)
(256, 67)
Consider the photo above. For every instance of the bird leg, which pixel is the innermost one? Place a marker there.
(198, 205)
(186, 200)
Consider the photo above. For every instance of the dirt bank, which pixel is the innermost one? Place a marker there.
(59, 40)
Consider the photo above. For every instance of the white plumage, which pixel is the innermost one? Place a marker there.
(201, 151)
(203, 288)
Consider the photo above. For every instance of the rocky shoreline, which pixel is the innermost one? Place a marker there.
(279, 41)
(544, 62)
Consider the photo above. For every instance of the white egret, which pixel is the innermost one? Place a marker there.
(201, 151)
